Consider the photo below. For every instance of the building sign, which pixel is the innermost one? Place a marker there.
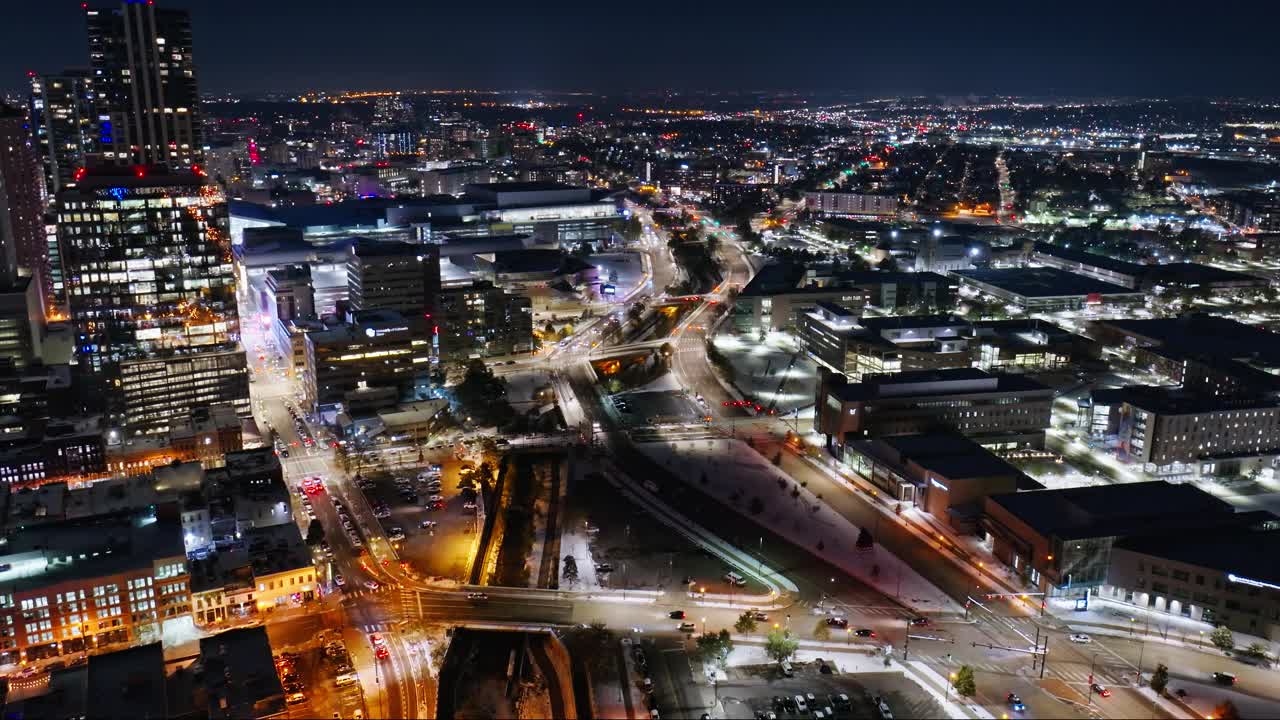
(1252, 583)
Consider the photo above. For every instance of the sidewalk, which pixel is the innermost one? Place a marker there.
(749, 650)
(964, 553)
(742, 480)
(1116, 619)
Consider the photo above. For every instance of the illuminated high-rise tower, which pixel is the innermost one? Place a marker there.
(152, 292)
(144, 82)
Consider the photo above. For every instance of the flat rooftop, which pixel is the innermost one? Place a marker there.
(1167, 400)
(924, 383)
(1113, 510)
(1201, 334)
(1248, 553)
(1042, 282)
(950, 455)
(240, 675)
(128, 683)
(1196, 274)
(911, 322)
(45, 555)
(1085, 257)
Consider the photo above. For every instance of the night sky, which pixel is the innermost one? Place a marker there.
(1026, 47)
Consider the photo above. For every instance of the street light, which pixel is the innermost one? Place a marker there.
(704, 626)
(951, 677)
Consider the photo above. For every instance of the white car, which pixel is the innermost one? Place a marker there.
(1080, 638)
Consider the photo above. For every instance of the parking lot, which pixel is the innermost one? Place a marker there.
(757, 690)
(424, 511)
(310, 676)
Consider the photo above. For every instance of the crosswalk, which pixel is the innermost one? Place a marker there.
(1070, 673)
(840, 608)
(375, 627)
(917, 705)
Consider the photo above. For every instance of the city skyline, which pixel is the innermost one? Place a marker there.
(933, 48)
(670, 398)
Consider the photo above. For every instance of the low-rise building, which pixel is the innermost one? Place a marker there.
(781, 292)
(1207, 354)
(999, 411)
(838, 339)
(1183, 276)
(247, 493)
(124, 683)
(946, 474)
(1046, 289)
(240, 678)
(1222, 577)
(91, 583)
(1061, 540)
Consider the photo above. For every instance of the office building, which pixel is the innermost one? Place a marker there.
(83, 585)
(781, 292)
(835, 337)
(144, 83)
(1061, 541)
(1176, 434)
(478, 319)
(63, 125)
(1184, 275)
(288, 295)
(1206, 354)
(399, 276)
(1226, 577)
(378, 351)
(999, 411)
(1257, 212)
(1047, 289)
(151, 293)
